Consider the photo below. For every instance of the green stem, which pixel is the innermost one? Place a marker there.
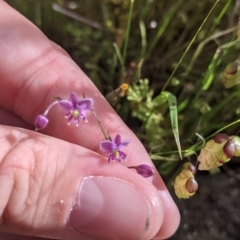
(196, 146)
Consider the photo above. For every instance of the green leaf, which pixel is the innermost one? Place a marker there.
(172, 104)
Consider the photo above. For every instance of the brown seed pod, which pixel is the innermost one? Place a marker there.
(214, 155)
(185, 185)
(191, 185)
(231, 68)
(219, 150)
(221, 137)
(229, 148)
(231, 75)
(236, 141)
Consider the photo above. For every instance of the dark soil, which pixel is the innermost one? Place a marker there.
(214, 212)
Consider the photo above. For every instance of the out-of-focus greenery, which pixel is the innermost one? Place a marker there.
(111, 39)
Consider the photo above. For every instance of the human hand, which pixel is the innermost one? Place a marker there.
(45, 177)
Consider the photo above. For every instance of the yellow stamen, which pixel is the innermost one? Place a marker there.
(116, 153)
(75, 113)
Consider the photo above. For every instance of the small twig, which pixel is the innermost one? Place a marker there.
(76, 16)
(107, 137)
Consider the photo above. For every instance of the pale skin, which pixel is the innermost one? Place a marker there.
(40, 172)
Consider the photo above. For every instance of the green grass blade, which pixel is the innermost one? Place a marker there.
(189, 46)
(221, 14)
(209, 76)
(143, 37)
(127, 31)
(172, 104)
(163, 26)
(119, 55)
(157, 157)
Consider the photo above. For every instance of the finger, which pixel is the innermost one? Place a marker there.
(10, 119)
(55, 189)
(7, 236)
(41, 65)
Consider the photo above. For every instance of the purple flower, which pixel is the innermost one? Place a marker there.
(41, 122)
(113, 148)
(76, 108)
(144, 170)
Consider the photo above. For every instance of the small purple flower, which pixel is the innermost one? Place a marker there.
(144, 170)
(76, 108)
(113, 148)
(41, 122)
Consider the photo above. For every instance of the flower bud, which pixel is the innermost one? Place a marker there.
(144, 170)
(190, 167)
(124, 86)
(41, 122)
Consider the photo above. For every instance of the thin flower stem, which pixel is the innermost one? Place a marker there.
(198, 145)
(223, 128)
(99, 123)
(101, 126)
(50, 106)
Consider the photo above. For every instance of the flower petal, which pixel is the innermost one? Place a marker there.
(85, 104)
(124, 143)
(122, 155)
(83, 117)
(107, 146)
(66, 105)
(73, 98)
(117, 139)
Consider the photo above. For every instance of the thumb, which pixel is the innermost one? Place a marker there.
(55, 189)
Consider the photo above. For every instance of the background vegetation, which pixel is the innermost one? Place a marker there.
(109, 38)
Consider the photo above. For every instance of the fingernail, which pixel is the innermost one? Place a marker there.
(110, 208)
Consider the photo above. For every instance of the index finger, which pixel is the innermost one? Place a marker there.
(33, 71)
